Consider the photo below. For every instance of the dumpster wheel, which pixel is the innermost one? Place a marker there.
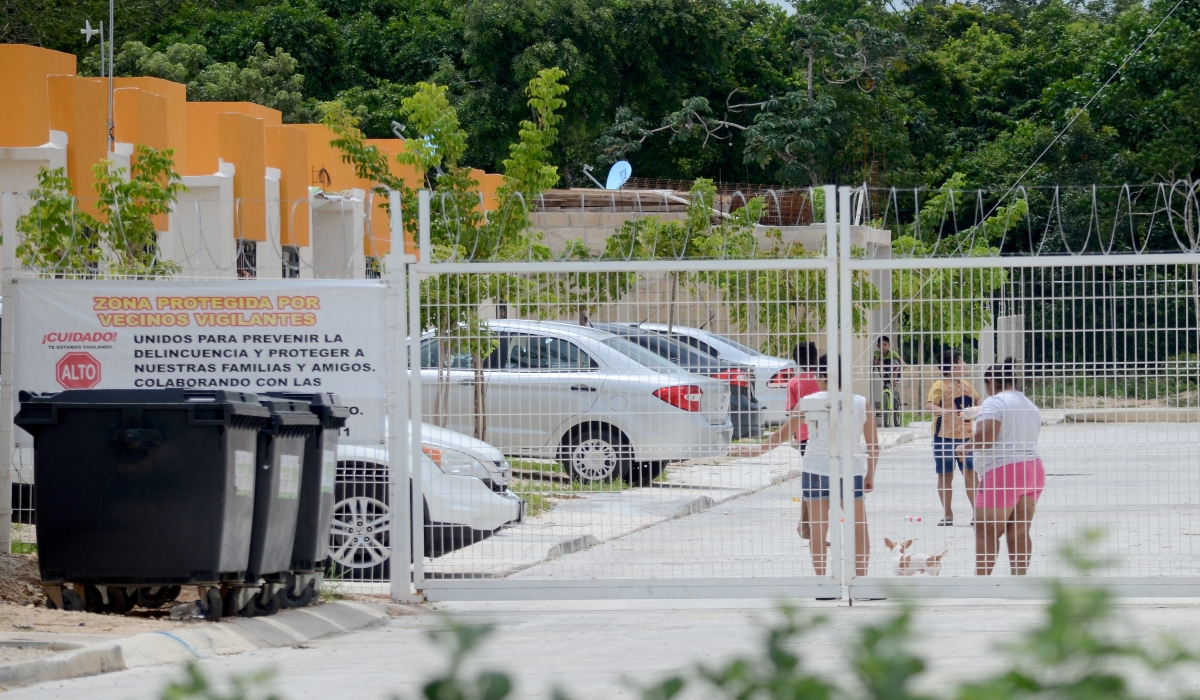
(157, 596)
(113, 600)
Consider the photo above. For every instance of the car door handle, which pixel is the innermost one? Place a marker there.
(583, 387)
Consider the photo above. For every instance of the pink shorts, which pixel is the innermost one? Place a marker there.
(1003, 486)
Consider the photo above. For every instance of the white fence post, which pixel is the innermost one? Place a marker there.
(400, 470)
(417, 526)
(423, 215)
(846, 379)
(8, 217)
(834, 556)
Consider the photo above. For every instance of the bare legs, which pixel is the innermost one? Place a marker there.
(945, 489)
(1013, 523)
(819, 527)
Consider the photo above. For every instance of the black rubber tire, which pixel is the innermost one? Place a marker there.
(214, 607)
(270, 607)
(645, 472)
(164, 595)
(301, 599)
(119, 601)
(596, 439)
(71, 601)
(246, 610)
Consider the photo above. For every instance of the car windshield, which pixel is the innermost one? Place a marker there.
(642, 356)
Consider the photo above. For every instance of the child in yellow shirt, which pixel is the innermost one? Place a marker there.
(952, 400)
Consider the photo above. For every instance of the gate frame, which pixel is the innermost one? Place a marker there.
(839, 266)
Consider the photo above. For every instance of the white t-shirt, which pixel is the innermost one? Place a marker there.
(816, 456)
(1020, 425)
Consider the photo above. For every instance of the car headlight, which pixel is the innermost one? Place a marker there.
(455, 463)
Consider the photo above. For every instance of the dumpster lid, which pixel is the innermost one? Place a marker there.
(289, 411)
(242, 402)
(325, 405)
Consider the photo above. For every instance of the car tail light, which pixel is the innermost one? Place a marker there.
(782, 377)
(735, 377)
(686, 397)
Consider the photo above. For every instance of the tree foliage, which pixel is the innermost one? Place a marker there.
(59, 238)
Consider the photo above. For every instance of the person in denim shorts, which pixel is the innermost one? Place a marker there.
(953, 402)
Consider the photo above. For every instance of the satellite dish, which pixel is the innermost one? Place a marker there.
(618, 175)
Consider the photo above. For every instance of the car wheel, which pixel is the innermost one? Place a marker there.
(596, 454)
(360, 542)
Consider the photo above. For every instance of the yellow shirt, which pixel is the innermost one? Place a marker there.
(956, 395)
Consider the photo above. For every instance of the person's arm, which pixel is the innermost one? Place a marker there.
(871, 434)
(986, 431)
(790, 427)
(933, 402)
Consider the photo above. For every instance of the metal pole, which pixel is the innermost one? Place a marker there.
(8, 225)
(414, 397)
(111, 136)
(846, 354)
(834, 558)
(400, 471)
(423, 242)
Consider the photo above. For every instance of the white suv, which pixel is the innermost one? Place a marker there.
(771, 373)
(607, 408)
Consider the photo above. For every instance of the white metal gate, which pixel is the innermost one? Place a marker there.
(628, 492)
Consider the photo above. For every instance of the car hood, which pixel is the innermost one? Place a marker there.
(430, 435)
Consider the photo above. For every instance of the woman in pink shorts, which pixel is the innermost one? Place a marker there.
(1010, 472)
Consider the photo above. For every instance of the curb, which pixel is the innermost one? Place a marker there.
(236, 636)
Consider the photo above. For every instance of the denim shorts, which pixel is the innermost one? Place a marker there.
(816, 486)
(943, 455)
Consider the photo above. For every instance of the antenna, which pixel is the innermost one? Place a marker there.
(587, 170)
(397, 128)
(618, 175)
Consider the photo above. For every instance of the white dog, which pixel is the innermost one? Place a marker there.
(911, 564)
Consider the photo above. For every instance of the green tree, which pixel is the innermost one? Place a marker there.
(60, 239)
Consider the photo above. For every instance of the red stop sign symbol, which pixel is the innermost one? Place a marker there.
(77, 370)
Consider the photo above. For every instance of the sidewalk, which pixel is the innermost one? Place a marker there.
(588, 519)
(35, 656)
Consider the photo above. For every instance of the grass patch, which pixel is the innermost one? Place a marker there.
(24, 548)
(536, 503)
(538, 465)
(333, 587)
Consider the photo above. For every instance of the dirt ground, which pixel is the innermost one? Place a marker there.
(26, 618)
(20, 581)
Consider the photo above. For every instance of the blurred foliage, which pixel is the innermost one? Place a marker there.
(1079, 650)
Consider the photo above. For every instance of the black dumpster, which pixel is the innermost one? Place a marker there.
(311, 546)
(277, 488)
(143, 487)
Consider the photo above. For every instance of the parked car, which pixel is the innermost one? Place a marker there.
(605, 407)
(464, 484)
(771, 373)
(744, 409)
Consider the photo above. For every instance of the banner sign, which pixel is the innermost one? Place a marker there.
(257, 336)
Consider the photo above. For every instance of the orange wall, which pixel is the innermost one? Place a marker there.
(202, 138)
(25, 106)
(139, 118)
(79, 108)
(322, 156)
(378, 240)
(175, 95)
(287, 149)
(488, 184)
(242, 141)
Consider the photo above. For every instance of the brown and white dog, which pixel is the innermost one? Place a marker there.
(911, 563)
